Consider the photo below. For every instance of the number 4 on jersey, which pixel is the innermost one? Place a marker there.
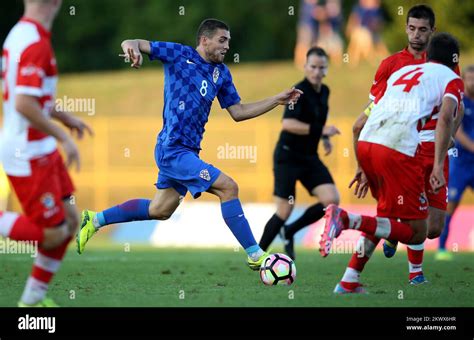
(410, 82)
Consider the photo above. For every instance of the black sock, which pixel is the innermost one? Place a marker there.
(271, 230)
(312, 214)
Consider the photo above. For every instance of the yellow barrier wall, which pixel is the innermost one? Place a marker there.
(118, 163)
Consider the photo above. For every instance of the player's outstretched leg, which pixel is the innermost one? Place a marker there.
(337, 219)
(19, 228)
(227, 190)
(161, 207)
(333, 227)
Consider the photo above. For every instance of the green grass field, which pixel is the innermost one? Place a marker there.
(218, 278)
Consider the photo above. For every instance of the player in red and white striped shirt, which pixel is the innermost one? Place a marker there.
(28, 147)
(420, 26)
(388, 149)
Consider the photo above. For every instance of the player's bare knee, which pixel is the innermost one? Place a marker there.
(284, 211)
(230, 190)
(158, 213)
(154, 211)
(284, 216)
(163, 216)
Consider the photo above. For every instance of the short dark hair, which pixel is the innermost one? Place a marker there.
(443, 48)
(422, 12)
(209, 27)
(316, 51)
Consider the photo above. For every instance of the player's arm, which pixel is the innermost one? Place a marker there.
(378, 86)
(133, 49)
(360, 179)
(73, 123)
(458, 119)
(443, 134)
(29, 107)
(359, 125)
(457, 122)
(240, 112)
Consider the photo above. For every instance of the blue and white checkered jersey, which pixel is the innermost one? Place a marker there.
(191, 84)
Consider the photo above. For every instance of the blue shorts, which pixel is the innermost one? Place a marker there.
(461, 176)
(181, 169)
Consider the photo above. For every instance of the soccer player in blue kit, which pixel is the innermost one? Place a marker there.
(461, 164)
(193, 78)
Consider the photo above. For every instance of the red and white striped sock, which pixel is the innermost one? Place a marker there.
(19, 228)
(365, 248)
(46, 264)
(380, 227)
(415, 259)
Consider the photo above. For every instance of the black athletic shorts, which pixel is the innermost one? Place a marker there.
(289, 167)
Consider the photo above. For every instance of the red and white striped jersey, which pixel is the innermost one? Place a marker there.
(412, 95)
(392, 64)
(28, 67)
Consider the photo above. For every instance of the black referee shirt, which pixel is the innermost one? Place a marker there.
(311, 108)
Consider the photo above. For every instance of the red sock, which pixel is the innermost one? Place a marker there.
(356, 265)
(19, 228)
(48, 262)
(415, 260)
(382, 227)
(402, 232)
(363, 223)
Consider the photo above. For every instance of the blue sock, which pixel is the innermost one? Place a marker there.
(443, 238)
(133, 210)
(238, 224)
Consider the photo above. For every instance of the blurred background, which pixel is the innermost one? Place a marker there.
(269, 42)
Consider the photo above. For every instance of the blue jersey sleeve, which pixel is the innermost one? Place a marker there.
(165, 51)
(228, 94)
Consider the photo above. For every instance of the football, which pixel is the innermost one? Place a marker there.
(278, 269)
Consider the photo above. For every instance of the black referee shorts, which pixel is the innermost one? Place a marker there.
(289, 167)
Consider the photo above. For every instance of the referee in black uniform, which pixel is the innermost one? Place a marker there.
(296, 155)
